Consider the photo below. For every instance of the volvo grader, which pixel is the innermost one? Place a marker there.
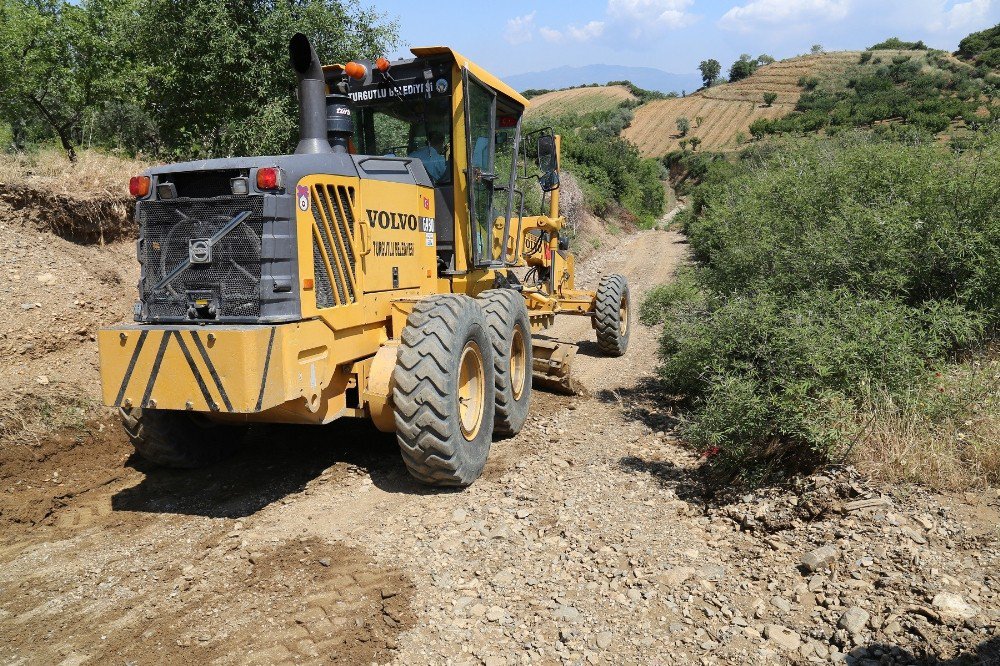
(389, 269)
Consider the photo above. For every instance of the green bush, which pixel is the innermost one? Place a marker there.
(828, 271)
(609, 168)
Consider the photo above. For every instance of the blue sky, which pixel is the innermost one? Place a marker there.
(513, 37)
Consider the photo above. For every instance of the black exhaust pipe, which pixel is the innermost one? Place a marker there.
(312, 97)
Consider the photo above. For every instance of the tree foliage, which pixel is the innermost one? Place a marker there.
(982, 47)
(710, 70)
(179, 80)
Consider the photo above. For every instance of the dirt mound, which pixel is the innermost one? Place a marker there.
(81, 220)
(56, 294)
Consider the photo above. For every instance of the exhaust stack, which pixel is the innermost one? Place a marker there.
(312, 97)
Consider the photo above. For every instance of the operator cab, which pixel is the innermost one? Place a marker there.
(407, 109)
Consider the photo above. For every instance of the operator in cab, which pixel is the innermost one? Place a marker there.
(432, 155)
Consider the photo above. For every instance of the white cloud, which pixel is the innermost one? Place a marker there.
(550, 35)
(765, 13)
(520, 29)
(964, 16)
(587, 32)
(646, 16)
(635, 18)
(584, 33)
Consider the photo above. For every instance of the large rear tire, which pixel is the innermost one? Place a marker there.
(613, 315)
(510, 331)
(178, 439)
(443, 391)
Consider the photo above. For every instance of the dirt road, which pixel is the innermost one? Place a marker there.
(588, 540)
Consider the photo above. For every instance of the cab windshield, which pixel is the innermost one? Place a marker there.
(418, 128)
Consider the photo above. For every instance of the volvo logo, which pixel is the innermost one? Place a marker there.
(200, 251)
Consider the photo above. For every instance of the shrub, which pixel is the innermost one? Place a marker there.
(683, 126)
(827, 281)
(769, 98)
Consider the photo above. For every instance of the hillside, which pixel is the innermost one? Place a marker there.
(649, 78)
(579, 100)
(728, 109)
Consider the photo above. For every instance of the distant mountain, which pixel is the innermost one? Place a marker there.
(644, 77)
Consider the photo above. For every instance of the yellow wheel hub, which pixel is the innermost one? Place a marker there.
(623, 316)
(518, 362)
(471, 390)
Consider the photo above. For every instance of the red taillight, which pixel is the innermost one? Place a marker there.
(269, 178)
(138, 186)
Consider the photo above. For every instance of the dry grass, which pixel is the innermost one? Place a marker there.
(579, 100)
(951, 442)
(95, 174)
(654, 129)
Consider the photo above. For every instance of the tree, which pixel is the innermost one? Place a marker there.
(710, 70)
(227, 87)
(683, 125)
(180, 79)
(59, 61)
(683, 144)
(816, 48)
(698, 120)
(769, 98)
(742, 68)
(695, 142)
(764, 59)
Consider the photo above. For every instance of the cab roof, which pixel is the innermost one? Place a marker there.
(480, 73)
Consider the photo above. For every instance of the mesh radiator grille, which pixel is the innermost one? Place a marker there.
(334, 254)
(229, 282)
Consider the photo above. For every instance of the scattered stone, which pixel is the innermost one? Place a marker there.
(604, 640)
(952, 607)
(914, 536)
(783, 637)
(819, 558)
(567, 613)
(782, 604)
(494, 614)
(858, 505)
(854, 620)
(47, 279)
(672, 578)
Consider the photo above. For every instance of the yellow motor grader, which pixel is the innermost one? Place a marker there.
(385, 270)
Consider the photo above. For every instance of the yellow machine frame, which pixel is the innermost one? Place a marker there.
(337, 360)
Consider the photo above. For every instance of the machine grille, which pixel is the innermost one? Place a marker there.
(334, 254)
(227, 285)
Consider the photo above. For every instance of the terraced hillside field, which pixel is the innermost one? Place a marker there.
(579, 100)
(728, 109)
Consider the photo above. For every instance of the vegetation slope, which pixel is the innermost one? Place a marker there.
(844, 302)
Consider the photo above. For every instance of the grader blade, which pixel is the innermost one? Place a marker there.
(553, 365)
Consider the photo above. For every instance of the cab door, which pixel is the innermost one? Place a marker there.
(480, 120)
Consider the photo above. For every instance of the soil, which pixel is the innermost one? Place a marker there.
(591, 537)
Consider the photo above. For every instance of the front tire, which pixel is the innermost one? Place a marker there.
(443, 391)
(613, 315)
(178, 439)
(510, 330)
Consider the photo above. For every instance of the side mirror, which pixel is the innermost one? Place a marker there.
(548, 163)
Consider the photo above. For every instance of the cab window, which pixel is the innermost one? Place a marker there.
(417, 128)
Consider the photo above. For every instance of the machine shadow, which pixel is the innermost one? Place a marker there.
(986, 653)
(276, 461)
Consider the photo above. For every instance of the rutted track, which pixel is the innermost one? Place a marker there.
(588, 539)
